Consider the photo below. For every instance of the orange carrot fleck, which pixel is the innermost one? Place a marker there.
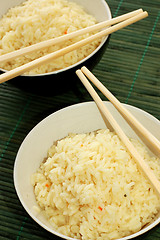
(47, 185)
(65, 32)
(100, 208)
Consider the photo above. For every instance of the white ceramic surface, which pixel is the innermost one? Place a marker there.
(83, 117)
(100, 10)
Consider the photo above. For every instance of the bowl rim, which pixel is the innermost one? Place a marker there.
(79, 62)
(17, 159)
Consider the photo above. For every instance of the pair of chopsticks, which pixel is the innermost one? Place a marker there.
(142, 132)
(121, 22)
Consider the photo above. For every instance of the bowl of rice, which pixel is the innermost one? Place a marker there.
(76, 179)
(24, 23)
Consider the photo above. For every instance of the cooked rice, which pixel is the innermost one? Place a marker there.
(90, 187)
(30, 23)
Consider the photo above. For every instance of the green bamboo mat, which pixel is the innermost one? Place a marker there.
(130, 68)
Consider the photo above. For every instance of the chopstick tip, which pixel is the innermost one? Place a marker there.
(83, 68)
(78, 71)
(146, 13)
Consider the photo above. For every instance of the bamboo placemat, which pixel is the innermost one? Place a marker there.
(130, 68)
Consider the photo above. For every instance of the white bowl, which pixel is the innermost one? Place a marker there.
(101, 11)
(79, 118)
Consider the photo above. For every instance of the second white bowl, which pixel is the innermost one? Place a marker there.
(79, 118)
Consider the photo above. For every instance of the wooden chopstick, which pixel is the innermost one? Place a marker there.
(150, 141)
(106, 114)
(58, 40)
(47, 58)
